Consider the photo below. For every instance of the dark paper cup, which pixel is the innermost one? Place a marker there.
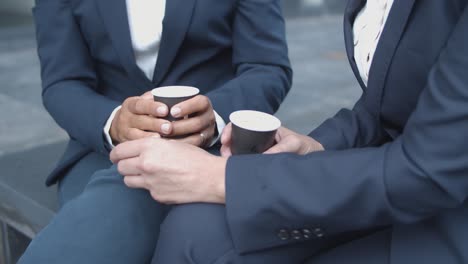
(252, 131)
(172, 95)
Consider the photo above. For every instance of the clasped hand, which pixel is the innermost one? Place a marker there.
(142, 117)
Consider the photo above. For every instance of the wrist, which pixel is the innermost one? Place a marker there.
(113, 131)
(218, 180)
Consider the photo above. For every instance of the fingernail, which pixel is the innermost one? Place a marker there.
(162, 110)
(175, 111)
(165, 128)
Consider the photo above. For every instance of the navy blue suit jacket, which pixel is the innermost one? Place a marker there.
(233, 50)
(398, 159)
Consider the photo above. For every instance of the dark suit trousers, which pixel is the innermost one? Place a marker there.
(107, 223)
(103, 221)
(74, 182)
(198, 233)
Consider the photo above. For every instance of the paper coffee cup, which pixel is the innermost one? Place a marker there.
(252, 131)
(172, 95)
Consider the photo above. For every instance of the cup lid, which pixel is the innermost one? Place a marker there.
(175, 91)
(255, 120)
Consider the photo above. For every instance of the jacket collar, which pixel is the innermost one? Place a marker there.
(388, 44)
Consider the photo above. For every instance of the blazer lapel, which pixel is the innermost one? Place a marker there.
(115, 18)
(388, 44)
(352, 9)
(175, 25)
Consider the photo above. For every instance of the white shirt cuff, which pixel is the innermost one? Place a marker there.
(107, 127)
(220, 124)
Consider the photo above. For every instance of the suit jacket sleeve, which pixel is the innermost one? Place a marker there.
(354, 128)
(419, 175)
(68, 76)
(260, 57)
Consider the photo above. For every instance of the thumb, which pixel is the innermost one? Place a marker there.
(226, 135)
(225, 151)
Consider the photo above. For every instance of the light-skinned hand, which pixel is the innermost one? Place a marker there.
(173, 172)
(286, 141)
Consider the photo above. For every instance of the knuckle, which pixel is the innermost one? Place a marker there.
(128, 103)
(155, 196)
(205, 100)
(117, 152)
(146, 165)
(127, 132)
(199, 123)
(120, 168)
(159, 197)
(131, 134)
(128, 182)
(140, 106)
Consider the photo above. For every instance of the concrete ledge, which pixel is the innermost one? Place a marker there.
(25, 202)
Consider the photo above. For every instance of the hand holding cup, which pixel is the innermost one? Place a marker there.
(284, 140)
(191, 116)
(249, 132)
(139, 117)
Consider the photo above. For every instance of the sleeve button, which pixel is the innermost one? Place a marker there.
(296, 235)
(306, 233)
(283, 234)
(318, 232)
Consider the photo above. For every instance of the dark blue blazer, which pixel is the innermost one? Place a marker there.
(398, 159)
(233, 50)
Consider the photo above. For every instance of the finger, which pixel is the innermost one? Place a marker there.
(193, 125)
(134, 134)
(136, 182)
(127, 150)
(226, 135)
(199, 103)
(197, 140)
(225, 151)
(128, 167)
(147, 95)
(140, 106)
(151, 124)
(278, 148)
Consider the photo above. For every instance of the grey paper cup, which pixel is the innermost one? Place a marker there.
(172, 95)
(252, 132)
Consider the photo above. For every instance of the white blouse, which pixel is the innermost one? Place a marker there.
(367, 29)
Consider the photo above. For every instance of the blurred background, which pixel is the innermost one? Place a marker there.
(30, 141)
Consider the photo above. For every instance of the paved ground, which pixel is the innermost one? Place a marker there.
(323, 82)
